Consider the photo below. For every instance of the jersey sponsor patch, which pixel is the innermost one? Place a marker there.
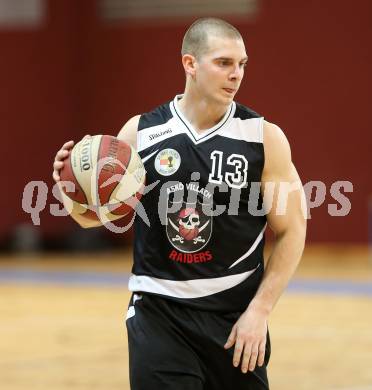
(188, 229)
(167, 162)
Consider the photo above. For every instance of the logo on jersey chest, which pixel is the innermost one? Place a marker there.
(167, 162)
(188, 229)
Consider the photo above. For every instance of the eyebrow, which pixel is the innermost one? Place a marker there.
(245, 59)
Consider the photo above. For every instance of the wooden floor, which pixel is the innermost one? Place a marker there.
(62, 336)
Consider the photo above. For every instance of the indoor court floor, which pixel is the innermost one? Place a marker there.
(62, 322)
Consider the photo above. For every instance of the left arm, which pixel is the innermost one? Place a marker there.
(289, 227)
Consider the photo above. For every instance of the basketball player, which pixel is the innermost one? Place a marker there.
(201, 295)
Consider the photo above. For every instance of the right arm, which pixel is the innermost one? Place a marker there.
(128, 134)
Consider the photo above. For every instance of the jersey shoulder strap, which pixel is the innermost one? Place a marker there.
(243, 112)
(156, 117)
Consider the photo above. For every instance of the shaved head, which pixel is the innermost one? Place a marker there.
(195, 41)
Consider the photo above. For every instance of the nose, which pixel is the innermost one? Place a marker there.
(237, 73)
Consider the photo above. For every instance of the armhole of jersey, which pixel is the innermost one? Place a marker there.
(261, 130)
(263, 144)
(138, 135)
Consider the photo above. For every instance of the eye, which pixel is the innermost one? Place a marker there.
(223, 63)
(243, 64)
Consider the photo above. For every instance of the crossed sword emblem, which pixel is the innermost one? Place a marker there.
(181, 239)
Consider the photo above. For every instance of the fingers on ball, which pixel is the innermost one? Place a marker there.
(68, 145)
(55, 176)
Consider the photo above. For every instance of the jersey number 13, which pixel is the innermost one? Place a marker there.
(236, 179)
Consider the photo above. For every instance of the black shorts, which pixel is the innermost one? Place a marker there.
(174, 347)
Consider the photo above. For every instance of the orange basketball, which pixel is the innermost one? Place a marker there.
(189, 234)
(107, 177)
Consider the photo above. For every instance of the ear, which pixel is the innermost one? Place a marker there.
(189, 64)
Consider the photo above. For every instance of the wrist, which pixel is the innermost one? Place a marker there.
(259, 306)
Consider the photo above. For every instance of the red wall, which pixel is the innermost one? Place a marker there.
(309, 72)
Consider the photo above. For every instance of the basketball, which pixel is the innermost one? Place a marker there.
(107, 177)
(188, 234)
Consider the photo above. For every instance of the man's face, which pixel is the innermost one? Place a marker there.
(220, 70)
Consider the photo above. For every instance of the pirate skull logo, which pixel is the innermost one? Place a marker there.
(189, 229)
(189, 221)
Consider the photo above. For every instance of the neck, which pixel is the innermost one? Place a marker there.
(199, 111)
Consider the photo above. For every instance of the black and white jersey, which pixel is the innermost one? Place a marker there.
(201, 242)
